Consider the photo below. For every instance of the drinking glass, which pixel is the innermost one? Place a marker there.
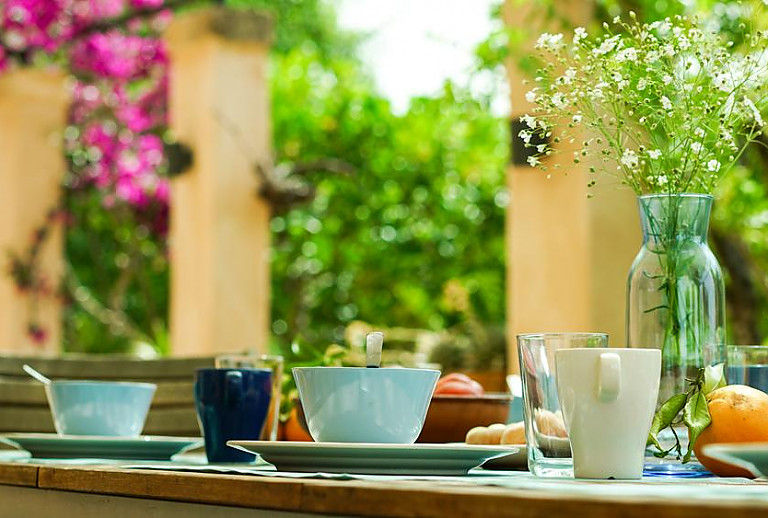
(260, 361)
(549, 450)
(747, 365)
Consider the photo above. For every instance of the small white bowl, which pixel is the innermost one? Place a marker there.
(357, 404)
(112, 408)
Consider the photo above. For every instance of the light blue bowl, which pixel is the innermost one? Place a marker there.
(352, 404)
(99, 407)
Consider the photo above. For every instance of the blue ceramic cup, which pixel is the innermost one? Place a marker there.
(231, 404)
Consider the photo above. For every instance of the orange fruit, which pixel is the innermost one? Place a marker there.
(739, 414)
(294, 431)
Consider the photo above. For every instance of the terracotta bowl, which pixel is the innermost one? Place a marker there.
(449, 418)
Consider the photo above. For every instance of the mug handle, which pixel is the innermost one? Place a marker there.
(233, 391)
(609, 384)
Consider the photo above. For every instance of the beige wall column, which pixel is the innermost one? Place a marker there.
(219, 106)
(567, 256)
(33, 107)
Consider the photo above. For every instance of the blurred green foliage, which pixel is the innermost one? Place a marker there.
(117, 283)
(425, 206)
(421, 219)
(415, 238)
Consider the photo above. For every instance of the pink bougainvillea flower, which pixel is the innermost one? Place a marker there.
(143, 4)
(118, 101)
(117, 56)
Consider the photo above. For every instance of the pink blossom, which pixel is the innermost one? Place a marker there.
(119, 100)
(143, 4)
(118, 56)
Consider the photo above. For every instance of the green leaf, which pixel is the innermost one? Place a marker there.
(664, 417)
(696, 417)
(714, 378)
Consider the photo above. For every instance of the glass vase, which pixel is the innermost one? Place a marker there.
(676, 294)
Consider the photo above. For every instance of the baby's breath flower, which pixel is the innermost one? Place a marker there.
(629, 159)
(754, 111)
(529, 121)
(606, 46)
(549, 41)
(559, 100)
(580, 33)
(668, 104)
(629, 54)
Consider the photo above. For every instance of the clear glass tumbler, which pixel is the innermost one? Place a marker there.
(747, 365)
(549, 450)
(260, 361)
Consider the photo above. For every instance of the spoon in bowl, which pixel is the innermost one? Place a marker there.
(373, 343)
(37, 375)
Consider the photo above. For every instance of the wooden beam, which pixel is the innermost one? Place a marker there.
(219, 105)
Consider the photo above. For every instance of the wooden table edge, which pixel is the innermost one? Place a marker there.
(360, 498)
(14, 474)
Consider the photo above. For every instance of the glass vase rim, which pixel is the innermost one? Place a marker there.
(752, 347)
(693, 195)
(560, 334)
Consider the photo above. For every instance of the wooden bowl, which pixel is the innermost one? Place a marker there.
(449, 418)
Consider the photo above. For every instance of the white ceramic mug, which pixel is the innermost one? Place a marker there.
(608, 397)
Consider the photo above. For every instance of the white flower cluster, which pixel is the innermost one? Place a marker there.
(667, 104)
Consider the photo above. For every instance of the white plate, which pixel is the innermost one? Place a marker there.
(516, 461)
(378, 459)
(53, 446)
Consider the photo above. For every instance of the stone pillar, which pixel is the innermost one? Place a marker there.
(33, 108)
(567, 256)
(219, 236)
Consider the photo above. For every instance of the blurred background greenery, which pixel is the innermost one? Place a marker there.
(411, 235)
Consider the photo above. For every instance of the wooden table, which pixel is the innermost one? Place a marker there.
(30, 491)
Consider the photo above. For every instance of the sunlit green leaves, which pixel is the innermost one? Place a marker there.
(425, 206)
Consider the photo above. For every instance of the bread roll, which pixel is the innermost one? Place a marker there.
(477, 435)
(551, 424)
(495, 431)
(514, 433)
